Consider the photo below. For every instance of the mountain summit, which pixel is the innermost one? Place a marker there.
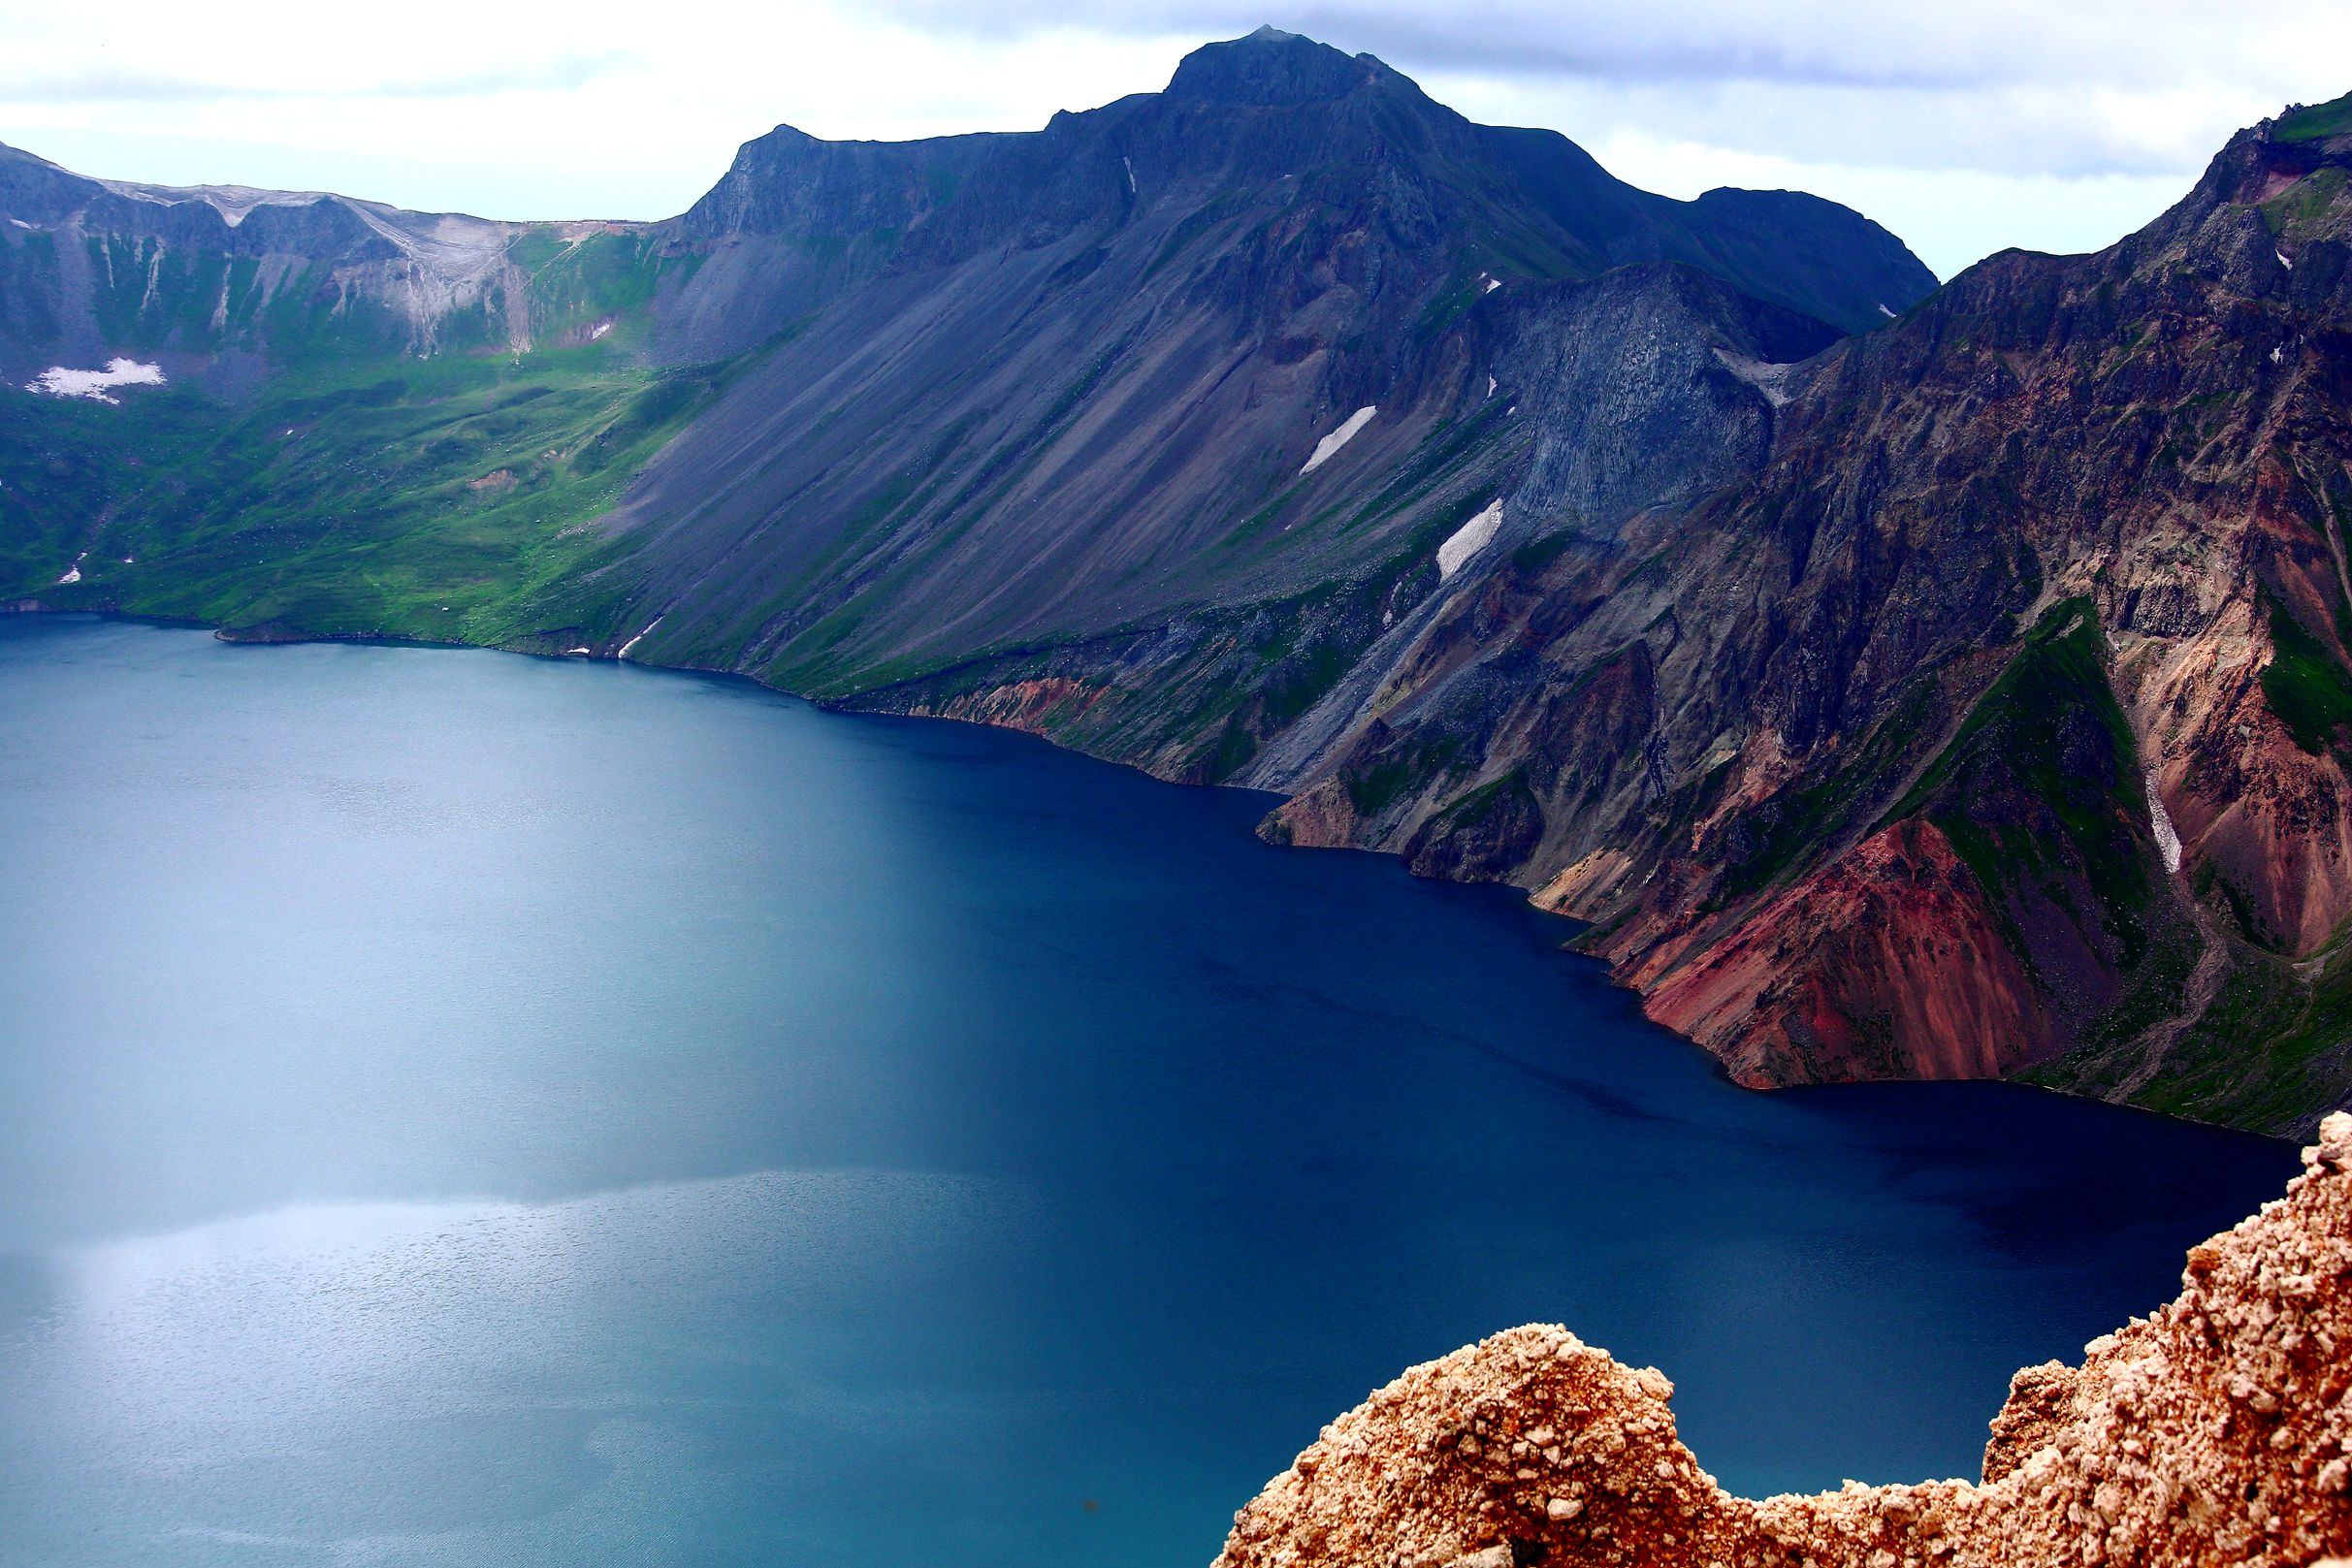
(1270, 66)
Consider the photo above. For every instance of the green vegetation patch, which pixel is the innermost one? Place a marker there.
(440, 498)
(2316, 122)
(2274, 1049)
(1804, 818)
(1532, 558)
(2305, 684)
(1374, 787)
(2040, 787)
(2304, 208)
(602, 275)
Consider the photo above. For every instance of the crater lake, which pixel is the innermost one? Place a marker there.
(463, 1109)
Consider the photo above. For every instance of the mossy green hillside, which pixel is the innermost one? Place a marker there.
(445, 497)
(2038, 791)
(2305, 685)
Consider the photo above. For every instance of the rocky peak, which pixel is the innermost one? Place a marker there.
(2255, 167)
(791, 182)
(1270, 66)
(35, 190)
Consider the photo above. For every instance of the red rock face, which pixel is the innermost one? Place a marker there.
(2217, 1430)
(2272, 823)
(1323, 818)
(1888, 963)
(1036, 707)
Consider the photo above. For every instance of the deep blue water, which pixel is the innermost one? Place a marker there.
(458, 1108)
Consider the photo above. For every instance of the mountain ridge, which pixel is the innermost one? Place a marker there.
(1290, 430)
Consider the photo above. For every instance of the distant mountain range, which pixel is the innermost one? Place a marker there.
(1902, 681)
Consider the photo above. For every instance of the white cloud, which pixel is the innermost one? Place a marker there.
(1964, 128)
(462, 106)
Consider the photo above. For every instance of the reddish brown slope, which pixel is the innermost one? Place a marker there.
(1888, 963)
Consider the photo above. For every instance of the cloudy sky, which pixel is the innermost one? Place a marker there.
(2055, 124)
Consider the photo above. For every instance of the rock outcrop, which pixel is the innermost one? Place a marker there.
(2216, 1430)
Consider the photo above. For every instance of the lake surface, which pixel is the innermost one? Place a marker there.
(459, 1108)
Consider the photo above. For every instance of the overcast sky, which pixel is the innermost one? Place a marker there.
(1965, 127)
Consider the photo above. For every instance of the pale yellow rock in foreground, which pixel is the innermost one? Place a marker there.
(2217, 1431)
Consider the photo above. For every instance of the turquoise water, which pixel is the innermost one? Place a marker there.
(460, 1109)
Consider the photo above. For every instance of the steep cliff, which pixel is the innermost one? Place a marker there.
(2217, 1429)
(224, 281)
(1254, 341)
(1962, 699)
(1995, 725)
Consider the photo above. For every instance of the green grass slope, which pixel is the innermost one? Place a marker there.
(444, 499)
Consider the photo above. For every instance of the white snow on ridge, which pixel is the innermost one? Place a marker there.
(59, 381)
(1883, 311)
(1468, 539)
(1327, 447)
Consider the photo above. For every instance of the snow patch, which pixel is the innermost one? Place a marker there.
(599, 330)
(1329, 445)
(2278, 355)
(2282, 260)
(1130, 165)
(1467, 540)
(59, 381)
(21, 224)
(1490, 386)
(2168, 838)
(638, 638)
(72, 573)
(1883, 311)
